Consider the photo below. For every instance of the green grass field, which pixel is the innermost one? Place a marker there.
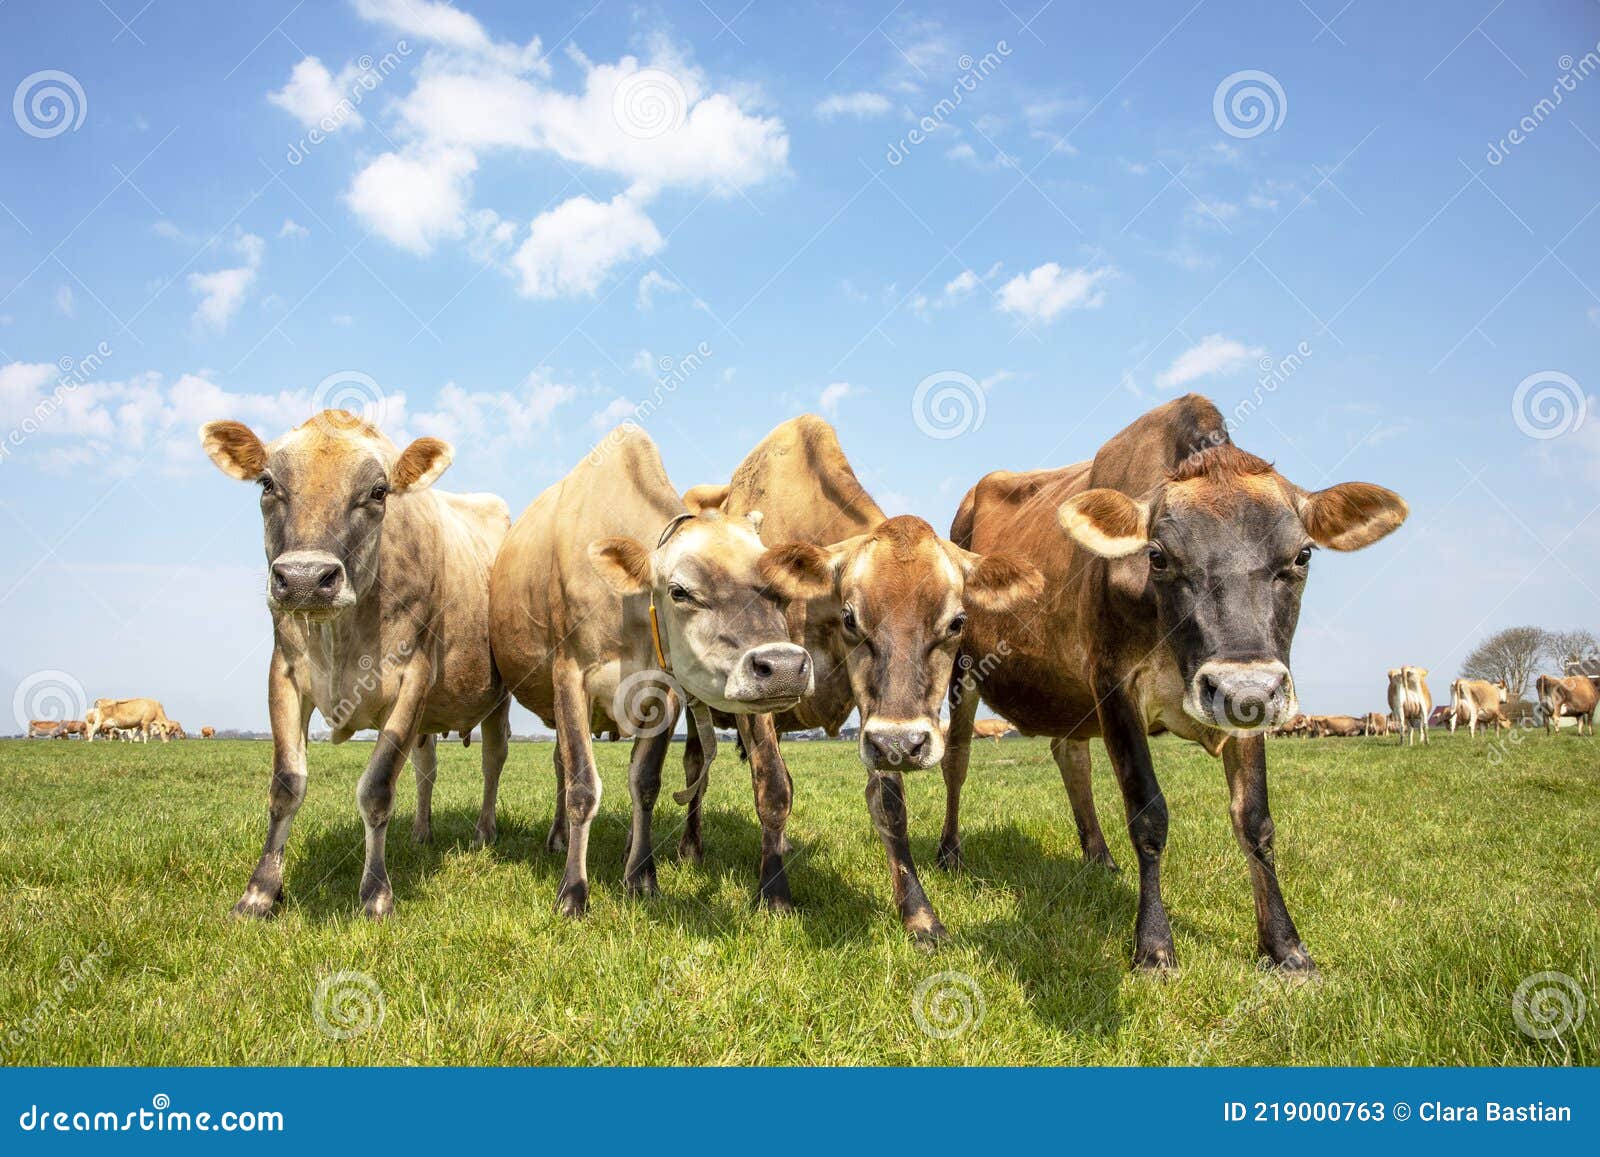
(1428, 884)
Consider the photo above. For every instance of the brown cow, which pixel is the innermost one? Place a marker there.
(137, 715)
(1475, 700)
(1375, 723)
(208, 733)
(1341, 726)
(880, 605)
(379, 593)
(1170, 605)
(995, 729)
(44, 728)
(1296, 724)
(1410, 702)
(610, 604)
(1575, 695)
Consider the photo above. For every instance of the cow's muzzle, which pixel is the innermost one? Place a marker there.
(308, 581)
(901, 746)
(1241, 697)
(775, 676)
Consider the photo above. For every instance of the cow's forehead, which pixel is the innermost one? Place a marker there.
(721, 544)
(904, 563)
(328, 449)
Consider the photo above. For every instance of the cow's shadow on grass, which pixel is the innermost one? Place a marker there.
(1069, 936)
(323, 876)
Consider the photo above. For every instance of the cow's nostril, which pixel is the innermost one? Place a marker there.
(761, 668)
(329, 579)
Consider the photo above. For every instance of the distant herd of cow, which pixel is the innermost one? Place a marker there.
(130, 720)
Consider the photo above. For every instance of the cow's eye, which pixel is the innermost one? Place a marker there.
(957, 624)
(847, 619)
(1304, 557)
(267, 485)
(1158, 558)
(380, 492)
(678, 592)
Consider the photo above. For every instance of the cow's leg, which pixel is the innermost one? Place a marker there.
(886, 804)
(691, 846)
(774, 794)
(581, 790)
(425, 761)
(1072, 757)
(1123, 727)
(644, 786)
(290, 714)
(957, 755)
(1245, 761)
(375, 791)
(556, 841)
(496, 741)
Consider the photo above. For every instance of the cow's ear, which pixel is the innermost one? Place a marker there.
(997, 583)
(235, 449)
(1351, 515)
(698, 498)
(623, 563)
(1106, 522)
(420, 465)
(798, 570)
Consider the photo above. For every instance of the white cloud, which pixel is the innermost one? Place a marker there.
(451, 28)
(494, 420)
(415, 199)
(293, 228)
(167, 229)
(343, 320)
(617, 411)
(651, 284)
(831, 397)
(1048, 291)
(316, 98)
(1214, 356)
(571, 248)
(857, 104)
(223, 291)
(962, 284)
(65, 301)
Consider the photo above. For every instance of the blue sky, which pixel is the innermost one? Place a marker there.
(504, 223)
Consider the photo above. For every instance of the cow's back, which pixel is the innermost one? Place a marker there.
(546, 600)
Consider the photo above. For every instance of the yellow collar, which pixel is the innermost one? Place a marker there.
(655, 636)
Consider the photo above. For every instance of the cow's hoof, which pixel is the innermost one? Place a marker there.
(1156, 960)
(556, 841)
(421, 833)
(255, 905)
(1103, 857)
(642, 884)
(925, 929)
(950, 857)
(777, 903)
(1294, 961)
(378, 906)
(691, 852)
(573, 900)
(483, 837)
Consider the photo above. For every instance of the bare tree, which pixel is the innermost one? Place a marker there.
(1570, 647)
(1512, 654)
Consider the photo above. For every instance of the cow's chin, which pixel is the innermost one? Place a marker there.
(321, 614)
(750, 706)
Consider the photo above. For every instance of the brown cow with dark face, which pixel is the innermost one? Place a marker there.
(379, 593)
(1170, 605)
(1574, 695)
